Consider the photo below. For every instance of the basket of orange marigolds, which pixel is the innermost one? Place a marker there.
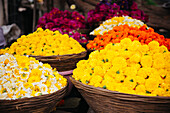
(127, 76)
(60, 51)
(143, 34)
(27, 85)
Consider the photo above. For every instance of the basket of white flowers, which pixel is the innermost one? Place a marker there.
(27, 85)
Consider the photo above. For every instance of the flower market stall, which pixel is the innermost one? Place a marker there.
(109, 58)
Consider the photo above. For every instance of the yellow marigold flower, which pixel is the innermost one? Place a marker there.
(135, 58)
(134, 46)
(167, 78)
(95, 79)
(140, 89)
(130, 82)
(140, 80)
(119, 62)
(151, 84)
(130, 71)
(125, 43)
(126, 54)
(158, 60)
(99, 71)
(106, 66)
(159, 92)
(167, 59)
(146, 61)
(154, 46)
(163, 49)
(119, 78)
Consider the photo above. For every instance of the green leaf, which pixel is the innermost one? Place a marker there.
(147, 77)
(118, 72)
(131, 80)
(104, 86)
(4, 91)
(164, 77)
(19, 97)
(148, 92)
(23, 74)
(122, 81)
(40, 93)
(40, 67)
(46, 76)
(25, 69)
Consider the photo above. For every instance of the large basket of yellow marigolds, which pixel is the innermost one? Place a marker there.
(126, 77)
(60, 51)
(27, 85)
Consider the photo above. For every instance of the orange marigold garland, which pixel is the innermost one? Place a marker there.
(142, 34)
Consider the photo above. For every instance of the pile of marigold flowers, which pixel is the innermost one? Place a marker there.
(143, 34)
(22, 76)
(128, 67)
(116, 21)
(44, 43)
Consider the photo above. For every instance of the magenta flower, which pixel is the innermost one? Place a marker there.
(115, 6)
(134, 6)
(42, 20)
(103, 7)
(49, 25)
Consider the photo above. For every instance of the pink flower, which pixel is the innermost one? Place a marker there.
(42, 20)
(134, 6)
(49, 25)
(115, 6)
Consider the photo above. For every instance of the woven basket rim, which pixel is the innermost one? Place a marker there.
(116, 92)
(31, 98)
(57, 55)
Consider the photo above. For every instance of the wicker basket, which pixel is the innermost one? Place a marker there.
(39, 104)
(62, 62)
(106, 101)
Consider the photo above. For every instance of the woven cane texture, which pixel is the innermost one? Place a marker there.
(106, 101)
(62, 62)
